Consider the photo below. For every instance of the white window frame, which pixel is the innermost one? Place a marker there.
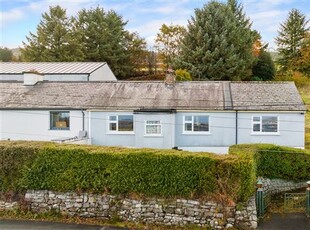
(116, 122)
(192, 132)
(260, 122)
(153, 134)
(53, 128)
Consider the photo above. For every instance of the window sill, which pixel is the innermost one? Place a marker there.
(154, 135)
(197, 133)
(59, 130)
(120, 133)
(265, 134)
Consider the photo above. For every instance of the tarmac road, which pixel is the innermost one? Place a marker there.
(41, 225)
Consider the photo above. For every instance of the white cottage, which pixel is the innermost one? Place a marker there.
(196, 116)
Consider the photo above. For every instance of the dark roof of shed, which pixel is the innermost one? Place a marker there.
(124, 95)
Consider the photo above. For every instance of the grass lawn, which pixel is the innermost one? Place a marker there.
(305, 93)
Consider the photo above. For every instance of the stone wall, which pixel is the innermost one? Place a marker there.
(274, 186)
(168, 212)
(161, 211)
(4, 205)
(246, 217)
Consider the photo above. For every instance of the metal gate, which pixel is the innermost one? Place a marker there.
(263, 201)
(295, 202)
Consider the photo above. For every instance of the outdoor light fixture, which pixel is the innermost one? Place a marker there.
(259, 183)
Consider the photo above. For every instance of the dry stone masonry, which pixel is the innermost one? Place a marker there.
(8, 205)
(160, 211)
(274, 186)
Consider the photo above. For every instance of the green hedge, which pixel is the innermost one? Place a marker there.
(149, 172)
(274, 161)
(14, 157)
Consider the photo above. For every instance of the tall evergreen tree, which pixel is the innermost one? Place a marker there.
(264, 68)
(290, 38)
(136, 47)
(218, 44)
(104, 39)
(54, 40)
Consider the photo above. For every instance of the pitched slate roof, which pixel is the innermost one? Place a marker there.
(151, 95)
(112, 95)
(50, 67)
(266, 96)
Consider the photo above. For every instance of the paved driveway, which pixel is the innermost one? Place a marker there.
(40, 225)
(291, 221)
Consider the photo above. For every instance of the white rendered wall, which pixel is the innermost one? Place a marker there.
(103, 73)
(35, 125)
(11, 77)
(66, 77)
(291, 127)
(222, 131)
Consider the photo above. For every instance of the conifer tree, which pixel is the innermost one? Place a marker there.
(54, 39)
(290, 38)
(264, 68)
(104, 39)
(218, 44)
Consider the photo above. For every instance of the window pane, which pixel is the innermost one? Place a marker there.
(256, 127)
(60, 120)
(153, 129)
(188, 127)
(113, 126)
(188, 118)
(201, 123)
(269, 124)
(256, 119)
(125, 123)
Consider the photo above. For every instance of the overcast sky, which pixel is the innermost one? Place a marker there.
(19, 17)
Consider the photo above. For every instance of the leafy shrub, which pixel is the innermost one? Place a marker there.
(14, 156)
(274, 161)
(150, 172)
(299, 78)
(183, 75)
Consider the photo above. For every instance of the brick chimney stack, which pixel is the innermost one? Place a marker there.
(170, 77)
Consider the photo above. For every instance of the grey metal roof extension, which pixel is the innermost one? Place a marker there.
(50, 67)
(127, 95)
